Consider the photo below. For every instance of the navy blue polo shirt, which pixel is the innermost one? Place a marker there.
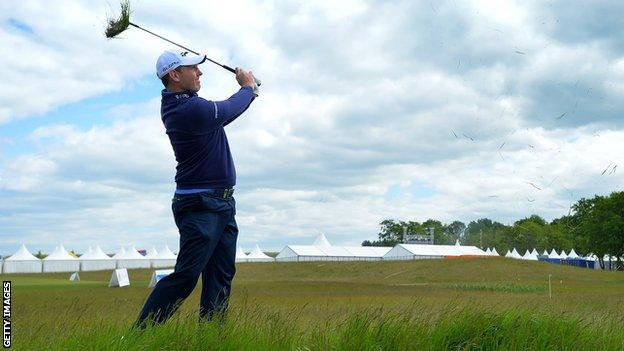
(195, 128)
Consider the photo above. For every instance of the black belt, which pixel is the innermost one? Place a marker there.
(224, 193)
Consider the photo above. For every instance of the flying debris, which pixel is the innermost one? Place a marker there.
(562, 115)
(456, 137)
(530, 200)
(520, 52)
(533, 185)
(552, 181)
(433, 8)
(499, 151)
(471, 139)
(531, 146)
(609, 170)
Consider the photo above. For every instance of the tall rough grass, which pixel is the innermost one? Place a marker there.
(368, 329)
(488, 304)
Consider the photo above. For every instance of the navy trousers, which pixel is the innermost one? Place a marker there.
(208, 234)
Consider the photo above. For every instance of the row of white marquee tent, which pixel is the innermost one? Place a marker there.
(553, 255)
(321, 250)
(95, 259)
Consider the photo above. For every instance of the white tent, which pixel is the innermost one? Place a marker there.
(563, 255)
(494, 252)
(301, 253)
(367, 253)
(530, 256)
(527, 255)
(96, 260)
(164, 259)
(22, 261)
(151, 253)
(513, 254)
(131, 259)
(418, 252)
(335, 253)
(545, 253)
(321, 241)
(554, 255)
(60, 261)
(573, 254)
(241, 256)
(322, 250)
(256, 255)
(457, 243)
(487, 251)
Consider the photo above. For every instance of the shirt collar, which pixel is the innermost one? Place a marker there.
(166, 94)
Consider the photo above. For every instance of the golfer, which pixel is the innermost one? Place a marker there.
(203, 204)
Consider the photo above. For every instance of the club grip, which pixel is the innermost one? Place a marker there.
(258, 82)
(229, 68)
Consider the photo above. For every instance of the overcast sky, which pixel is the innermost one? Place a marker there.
(452, 110)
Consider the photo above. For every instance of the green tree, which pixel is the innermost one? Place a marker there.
(529, 233)
(456, 230)
(440, 237)
(392, 232)
(40, 255)
(600, 225)
(487, 233)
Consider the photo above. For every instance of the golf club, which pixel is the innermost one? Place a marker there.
(117, 26)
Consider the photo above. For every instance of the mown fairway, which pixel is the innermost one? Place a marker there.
(492, 303)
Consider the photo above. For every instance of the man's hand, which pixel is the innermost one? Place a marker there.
(245, 79)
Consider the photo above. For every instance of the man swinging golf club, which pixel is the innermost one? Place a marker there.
(203, 204)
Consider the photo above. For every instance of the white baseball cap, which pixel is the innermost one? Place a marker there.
(170, 60)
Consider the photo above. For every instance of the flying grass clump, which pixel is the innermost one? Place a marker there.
(116, 26)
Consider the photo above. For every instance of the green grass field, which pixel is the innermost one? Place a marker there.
(468, 304)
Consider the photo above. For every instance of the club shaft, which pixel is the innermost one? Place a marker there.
(183, 47)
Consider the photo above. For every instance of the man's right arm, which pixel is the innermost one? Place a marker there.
(233, 106)
(216, 113)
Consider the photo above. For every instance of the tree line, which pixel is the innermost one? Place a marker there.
(593, 226)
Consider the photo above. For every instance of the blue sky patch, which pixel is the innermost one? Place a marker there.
(23, 27)
(82, 114)
(393, 192)
(420, 190)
